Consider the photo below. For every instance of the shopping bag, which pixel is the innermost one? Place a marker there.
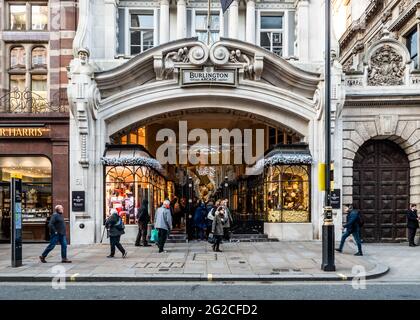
(154, 235)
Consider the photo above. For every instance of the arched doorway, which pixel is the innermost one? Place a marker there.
(381, 189)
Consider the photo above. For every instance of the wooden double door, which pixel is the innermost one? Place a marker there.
(381, 189)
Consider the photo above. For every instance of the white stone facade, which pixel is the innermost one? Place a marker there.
(113, 89)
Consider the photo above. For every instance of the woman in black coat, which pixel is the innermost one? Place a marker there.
(115, 227)
(143, 219)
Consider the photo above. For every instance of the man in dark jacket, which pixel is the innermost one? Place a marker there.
(58, 234)
(115, 227)
(143, 218)
(412, 224)
(352, 228)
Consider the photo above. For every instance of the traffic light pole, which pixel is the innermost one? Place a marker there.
(328, 237)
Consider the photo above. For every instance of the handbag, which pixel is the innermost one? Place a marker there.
(154, 236)
(211, 238)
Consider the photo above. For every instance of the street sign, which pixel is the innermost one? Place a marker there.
(336, 199)
(78, 201)
(16, 219)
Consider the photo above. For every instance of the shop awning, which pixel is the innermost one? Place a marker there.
(130, 155)
(288, 156)
(282, 154)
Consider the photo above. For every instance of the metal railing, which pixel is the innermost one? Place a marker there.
(26, 101)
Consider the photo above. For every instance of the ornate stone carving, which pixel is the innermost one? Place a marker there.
(198, 55)
(348, 65)
(84, 97)
(386, 67)
(236, 56)
(219, 55)
(403, 5)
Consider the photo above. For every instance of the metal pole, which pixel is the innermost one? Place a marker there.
(208, 22)
(328, 237)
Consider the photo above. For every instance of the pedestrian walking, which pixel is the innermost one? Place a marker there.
(412, 224)
(163, 223)
(143, 219)
(200, 216)
(57, 228)
(115, 227)
(217, 228)
(228, 220)
(352, 228)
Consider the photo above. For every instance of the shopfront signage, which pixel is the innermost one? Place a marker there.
(336, 199)
(223, 77)
(78, 201)
(24, 132)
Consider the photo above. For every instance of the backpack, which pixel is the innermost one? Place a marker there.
(120, 225)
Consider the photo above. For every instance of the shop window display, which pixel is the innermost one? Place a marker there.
(287, 193)
(127, 186)
(36, 196)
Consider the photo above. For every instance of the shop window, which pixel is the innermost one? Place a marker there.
(36, 195)
(39, 58)
(17, 58)
(18, 17)
(141, 32)
(127, 186)
(39, 17)
(412, 45)
(201, 26)
(271, 33)
(287, 191)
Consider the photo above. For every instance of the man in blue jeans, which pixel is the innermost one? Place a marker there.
(352, 228)
(58, 234)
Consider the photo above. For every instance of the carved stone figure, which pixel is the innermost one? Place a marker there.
(386, 68)
(172, 57)
(236, 56)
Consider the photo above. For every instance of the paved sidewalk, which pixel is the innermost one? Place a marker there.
(194, 261)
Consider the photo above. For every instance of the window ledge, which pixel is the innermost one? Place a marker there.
(26, 36)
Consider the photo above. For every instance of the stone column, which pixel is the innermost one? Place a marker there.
(250, 21)
(164, 22)
(181, 19)
(303, 30)
(233, 20)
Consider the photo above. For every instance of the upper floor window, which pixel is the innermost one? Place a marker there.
(17, 58)
(29, 75)
(201, 26)
(39, 57)
(39, 17)
(18, 17)
(28, 16)
(271, 33)
(141, 32)
(413, 47)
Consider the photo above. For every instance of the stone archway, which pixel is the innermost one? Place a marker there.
(381, 190)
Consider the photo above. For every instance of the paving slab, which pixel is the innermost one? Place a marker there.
(194, 261)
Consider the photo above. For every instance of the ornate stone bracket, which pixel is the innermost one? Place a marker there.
(167, 66)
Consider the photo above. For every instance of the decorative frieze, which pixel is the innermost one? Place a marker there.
(199, 55)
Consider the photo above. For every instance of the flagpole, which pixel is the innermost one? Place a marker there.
(208, 22)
